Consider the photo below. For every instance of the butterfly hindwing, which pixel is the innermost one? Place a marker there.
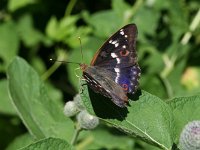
(100, 80)
(127, 78)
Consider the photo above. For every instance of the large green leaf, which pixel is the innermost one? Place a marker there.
(5, 103)
(42, 116)
(50, 144)
(185, 109)
(147, 117)
(101, 138)
(21, 141)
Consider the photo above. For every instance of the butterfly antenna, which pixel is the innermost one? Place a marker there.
(81, 48)
(62, 61)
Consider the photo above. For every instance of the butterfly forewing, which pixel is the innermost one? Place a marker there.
(118, 50)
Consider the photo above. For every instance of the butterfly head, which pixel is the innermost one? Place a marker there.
(83, 67)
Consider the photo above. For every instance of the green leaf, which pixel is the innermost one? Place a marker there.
(148, 117)
(185, 109)
(100, 22)
(50, 144)
(103, 137)
(8, 35)
(21, 141)
(150, 25)
(5, 103)
(178, 18)
(42, 116)
(81, 32)
(58, 30)
(150, 83)
(16, 4)
(153, 62)
(120, 7)
(30, 36)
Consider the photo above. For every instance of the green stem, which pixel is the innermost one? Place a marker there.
(54, 67)
(167, 86)
(69, 8)
(193, 26)
(76, 134)
(87, 141)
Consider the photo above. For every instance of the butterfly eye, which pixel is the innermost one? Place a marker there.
(124, 52)
(125, 87)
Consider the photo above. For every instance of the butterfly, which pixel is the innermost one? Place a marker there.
(114, 70)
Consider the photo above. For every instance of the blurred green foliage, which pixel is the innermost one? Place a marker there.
(168, 48)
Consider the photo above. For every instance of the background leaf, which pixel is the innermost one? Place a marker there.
(49, 143)
(185, 109)
(42, 116)
(8, 35)
(5, 107)
(21, 141)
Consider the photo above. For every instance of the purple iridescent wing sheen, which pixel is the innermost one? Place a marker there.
(118, 55)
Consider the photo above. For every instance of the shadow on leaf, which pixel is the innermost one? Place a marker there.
(106, 109)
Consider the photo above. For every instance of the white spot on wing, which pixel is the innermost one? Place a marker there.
(118, 60)
(134, 72)
(117, 70)
(124, 46)
(113, 42)
(125, 36)
(121, 32)
(113, 55)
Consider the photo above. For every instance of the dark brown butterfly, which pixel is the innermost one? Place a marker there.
(114, 70)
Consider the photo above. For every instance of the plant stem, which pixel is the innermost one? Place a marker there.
(76, 134)
(70, 6)
(167, 86)
(52, 69)
(85, 142)
(192, 27)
